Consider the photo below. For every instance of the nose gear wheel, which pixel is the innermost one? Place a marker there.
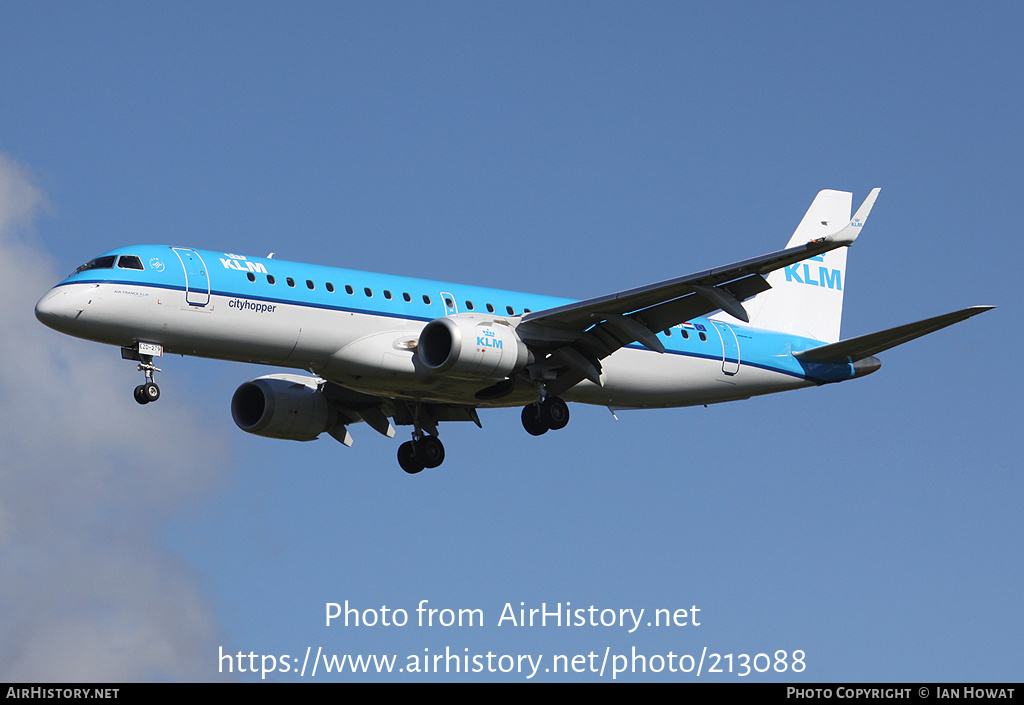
(148, 391)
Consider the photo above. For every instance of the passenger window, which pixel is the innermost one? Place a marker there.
(703, 337)
(490, 309)
(511, 311)
(368, 292)
(349, 290)
(309, 284)
(407, 298)
(270, 279)
(387, 294)
(668, 333)
(449, 303)
(330, 287)
(426, 299)
(686, 336)
(129, 262)
(291, 282)
(250, 276)
(469, 305)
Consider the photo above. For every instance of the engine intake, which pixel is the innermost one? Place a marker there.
(471, 347)
(283, 406)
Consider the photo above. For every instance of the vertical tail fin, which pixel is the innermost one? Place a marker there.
(807, 298)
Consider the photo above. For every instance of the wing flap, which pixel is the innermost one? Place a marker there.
(683, 309)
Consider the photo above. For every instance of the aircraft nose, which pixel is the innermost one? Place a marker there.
(53, 308)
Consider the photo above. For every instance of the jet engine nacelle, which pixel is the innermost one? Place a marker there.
(471, 347)
(283, 406)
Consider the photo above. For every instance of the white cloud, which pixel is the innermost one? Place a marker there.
(87, 481)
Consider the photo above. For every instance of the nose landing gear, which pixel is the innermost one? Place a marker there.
(148, 391)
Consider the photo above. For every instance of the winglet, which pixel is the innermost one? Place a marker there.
(847, 235)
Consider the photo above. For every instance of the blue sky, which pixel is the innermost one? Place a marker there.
(560, 148)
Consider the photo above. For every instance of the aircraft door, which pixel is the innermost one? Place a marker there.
(451, 307)
(730, 348)
(197, 280)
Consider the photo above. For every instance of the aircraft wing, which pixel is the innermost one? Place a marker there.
(581, 334)
(374, 411)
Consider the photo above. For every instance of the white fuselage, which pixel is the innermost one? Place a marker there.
(370, 348)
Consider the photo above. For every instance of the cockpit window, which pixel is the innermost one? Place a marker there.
(106, 262)
(129, 262)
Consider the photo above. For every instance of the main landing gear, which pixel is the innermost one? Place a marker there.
(421, 452)
(549, 414)
(425, 450)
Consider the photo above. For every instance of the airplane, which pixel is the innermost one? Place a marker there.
(389, 350)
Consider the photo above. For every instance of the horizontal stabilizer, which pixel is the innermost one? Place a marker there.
(865, 345)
